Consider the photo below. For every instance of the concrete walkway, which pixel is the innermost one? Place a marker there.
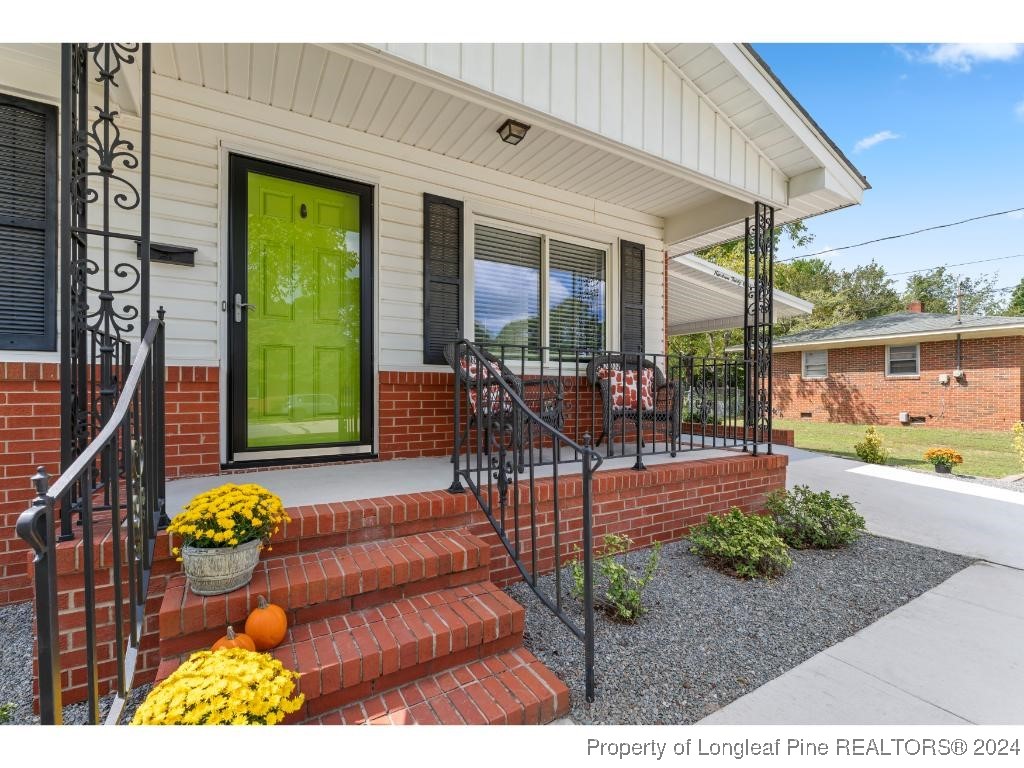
(928, 509)
(953, 655)
(950, 656)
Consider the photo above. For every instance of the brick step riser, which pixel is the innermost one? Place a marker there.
(198, 640)
(511, 688)
(325, 703)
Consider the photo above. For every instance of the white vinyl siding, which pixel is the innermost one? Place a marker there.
(194, 129)
(628, 92)
(815, 364)
(903, 360)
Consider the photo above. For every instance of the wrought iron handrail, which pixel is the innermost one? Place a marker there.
(129, 452)
(501, 458)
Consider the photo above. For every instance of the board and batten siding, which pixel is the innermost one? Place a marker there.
(194, 127)
(628, 92)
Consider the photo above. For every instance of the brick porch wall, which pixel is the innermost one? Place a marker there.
(661, 504)
(30, 437)
(857, 391)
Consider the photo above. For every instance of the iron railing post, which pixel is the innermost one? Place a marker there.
(456, 486)
(588, 570)
(38, 530)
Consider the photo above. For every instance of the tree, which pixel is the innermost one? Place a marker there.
(1016, 305)
(937, 290)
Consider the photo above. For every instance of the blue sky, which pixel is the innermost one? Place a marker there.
(939, 133)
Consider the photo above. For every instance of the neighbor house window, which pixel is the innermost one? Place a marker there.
(532, 290)
(816, 364)
(903, 360)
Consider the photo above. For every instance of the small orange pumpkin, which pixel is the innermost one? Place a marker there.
(232, 640)
(267, 625)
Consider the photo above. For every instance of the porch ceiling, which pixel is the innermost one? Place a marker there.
(749, 128)
(705, 297)
(318, 82)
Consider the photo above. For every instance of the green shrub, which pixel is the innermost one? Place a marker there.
(747, 546)
(622, 588)
(6, 713)
(805, 518)
(871, 449)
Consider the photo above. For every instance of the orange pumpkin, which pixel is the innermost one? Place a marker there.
(267, 625)
(231, 640)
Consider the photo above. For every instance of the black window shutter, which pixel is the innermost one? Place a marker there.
(442, 276)
(631, 290)
(28, 224)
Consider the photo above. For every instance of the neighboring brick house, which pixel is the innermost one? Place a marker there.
(911, 367)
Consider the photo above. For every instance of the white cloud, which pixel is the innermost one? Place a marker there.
(876, 138)
(963, 56)
(1019, 215)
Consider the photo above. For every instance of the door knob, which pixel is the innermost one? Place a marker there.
(239, 306)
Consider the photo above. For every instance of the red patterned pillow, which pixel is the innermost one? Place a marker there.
(492, 398)
(622, 389)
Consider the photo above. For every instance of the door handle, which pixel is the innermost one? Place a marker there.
(239, 306)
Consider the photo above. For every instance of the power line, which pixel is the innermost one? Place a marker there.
(959, 264)
(904, 234)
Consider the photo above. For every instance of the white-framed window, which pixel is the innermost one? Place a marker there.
(903, 360)
(535, 289)
(815, 364)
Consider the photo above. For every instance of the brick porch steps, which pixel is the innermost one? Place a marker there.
(510, 688)
(347, 658)
(325, 583)
(340, 523)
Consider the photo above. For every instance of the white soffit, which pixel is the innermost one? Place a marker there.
(706, 297)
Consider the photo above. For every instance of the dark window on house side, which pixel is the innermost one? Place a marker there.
(28, 224)
(902, 360)
(442, 276)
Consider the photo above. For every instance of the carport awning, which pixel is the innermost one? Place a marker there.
(706, 297)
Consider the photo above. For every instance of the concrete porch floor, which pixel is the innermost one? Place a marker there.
(369, 479)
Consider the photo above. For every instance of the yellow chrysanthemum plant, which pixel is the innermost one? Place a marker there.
(231, 686)
(943, 457)
(228, 516)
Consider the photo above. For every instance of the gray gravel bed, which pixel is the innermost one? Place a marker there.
(709, 638)
(17, 649)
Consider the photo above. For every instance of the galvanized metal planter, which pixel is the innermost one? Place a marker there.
(222, 569)
(943, 469)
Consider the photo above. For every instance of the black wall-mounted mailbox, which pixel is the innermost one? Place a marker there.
(169, 254)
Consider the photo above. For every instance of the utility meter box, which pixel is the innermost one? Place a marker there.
(943, 378)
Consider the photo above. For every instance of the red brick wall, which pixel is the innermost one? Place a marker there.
(30, 437)
(990, 397)
(193, 421)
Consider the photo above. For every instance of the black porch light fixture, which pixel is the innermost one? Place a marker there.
(512, 131)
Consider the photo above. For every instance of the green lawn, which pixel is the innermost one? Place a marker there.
(986, 454)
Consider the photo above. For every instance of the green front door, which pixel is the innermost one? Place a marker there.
(300, 316)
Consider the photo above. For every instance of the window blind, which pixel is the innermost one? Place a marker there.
(903, 360)
(576, 297)
(506, 284)
(816, 364)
